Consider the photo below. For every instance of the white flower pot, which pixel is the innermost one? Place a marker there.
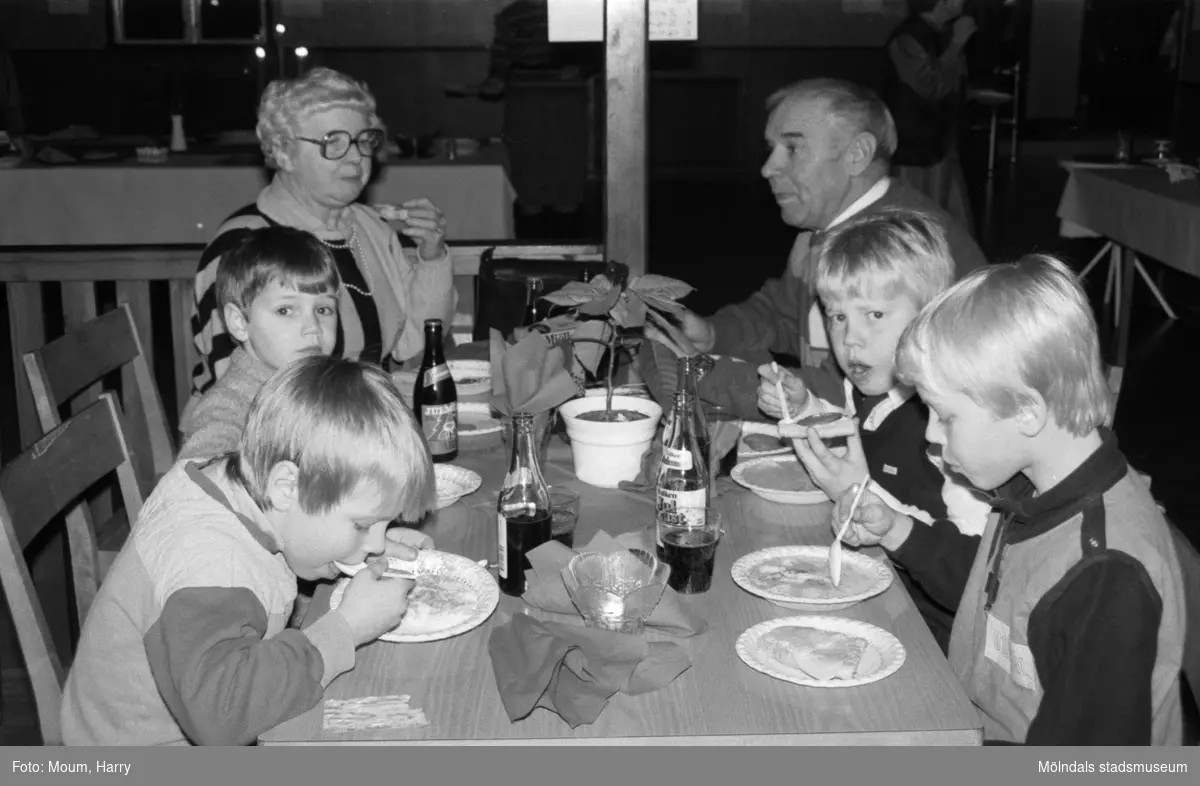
(607, 453)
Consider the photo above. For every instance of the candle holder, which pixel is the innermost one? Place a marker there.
(616, 591)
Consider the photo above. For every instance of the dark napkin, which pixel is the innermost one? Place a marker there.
(544, 587)
(573, 671)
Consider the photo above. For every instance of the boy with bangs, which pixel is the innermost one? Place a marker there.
(186, 642)
(277, 289)
(874, 274)
(1070, 624)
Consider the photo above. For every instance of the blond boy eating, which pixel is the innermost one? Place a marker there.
(1070, 623)
(186, 642)
(874, 274)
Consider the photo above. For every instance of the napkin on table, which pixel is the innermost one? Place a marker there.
(573, 671)
(544, 588)
(530, 376)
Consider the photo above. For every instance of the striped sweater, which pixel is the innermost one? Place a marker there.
(391, 321)
(187, 640)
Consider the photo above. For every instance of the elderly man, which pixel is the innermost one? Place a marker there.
(831, 143)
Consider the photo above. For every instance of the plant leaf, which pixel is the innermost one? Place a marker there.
(588, 353)
(661, 304)
(601, 306)
(630, 311)
(575, 293)
(661, 286)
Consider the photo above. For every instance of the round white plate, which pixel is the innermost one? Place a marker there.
(890, 651)
(787, 497)
(480, 416)
(471, 377)
(749, 427)
(444, 574)
(862, 576)
(453, 483)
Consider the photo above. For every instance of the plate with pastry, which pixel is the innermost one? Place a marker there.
(451, 595)
(778, 479)
(761, 439)
(797, 577)
(821, 652)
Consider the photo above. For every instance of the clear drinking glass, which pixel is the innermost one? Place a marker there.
(564, 505)
(616, 591)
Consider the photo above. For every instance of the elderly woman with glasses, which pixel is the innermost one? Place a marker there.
(320, 133)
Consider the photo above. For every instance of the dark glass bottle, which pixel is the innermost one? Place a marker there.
(435, 398)
(523, 515)
(535, 311)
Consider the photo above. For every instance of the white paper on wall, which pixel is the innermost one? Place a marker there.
(583, 20)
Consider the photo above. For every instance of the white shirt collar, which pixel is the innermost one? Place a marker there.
(873, 195)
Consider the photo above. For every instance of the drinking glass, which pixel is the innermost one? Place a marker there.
(689, 539)
(564, 505)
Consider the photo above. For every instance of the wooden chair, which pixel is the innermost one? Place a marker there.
(35, 488)
(76, 363)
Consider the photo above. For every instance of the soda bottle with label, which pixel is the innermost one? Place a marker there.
(687, 374)
(683, 470)
(524, 512)
(435, 399)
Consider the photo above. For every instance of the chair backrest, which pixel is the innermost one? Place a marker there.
(63, 368)
(503, 273)
(35, 488)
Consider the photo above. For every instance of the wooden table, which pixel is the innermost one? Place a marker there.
(719, 701)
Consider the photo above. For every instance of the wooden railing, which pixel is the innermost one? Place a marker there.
(51, 290)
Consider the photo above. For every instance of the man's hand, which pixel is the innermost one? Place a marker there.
(693, 336)
(768, 392)
(964, 28)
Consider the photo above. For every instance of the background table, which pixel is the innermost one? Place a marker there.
(184, 200)
(718, 701)
(1140, 211)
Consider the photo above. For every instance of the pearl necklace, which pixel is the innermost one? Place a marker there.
(356, 252)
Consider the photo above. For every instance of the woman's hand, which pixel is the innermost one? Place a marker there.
(424, 222)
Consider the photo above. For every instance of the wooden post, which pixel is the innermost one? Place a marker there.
(626, 79)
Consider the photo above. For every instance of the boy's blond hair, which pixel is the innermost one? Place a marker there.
(341, 422)
(890, 252)
(1007, 330)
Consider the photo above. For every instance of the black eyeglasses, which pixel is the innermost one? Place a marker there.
(336, 144)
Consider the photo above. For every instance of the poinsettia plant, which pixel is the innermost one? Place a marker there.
(608, 314)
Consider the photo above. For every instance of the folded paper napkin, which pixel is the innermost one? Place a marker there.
(573, 671)
(544, 587)
(530, 376)
(372, 712)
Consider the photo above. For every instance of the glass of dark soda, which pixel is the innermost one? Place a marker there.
(564, 506)
(689, 545)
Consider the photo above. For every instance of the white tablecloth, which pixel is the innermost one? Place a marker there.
(184, 200)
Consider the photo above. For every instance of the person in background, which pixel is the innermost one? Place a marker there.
(12, 112)
(545, 89)
(830, 145)
(320, 132)
(925, 92)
